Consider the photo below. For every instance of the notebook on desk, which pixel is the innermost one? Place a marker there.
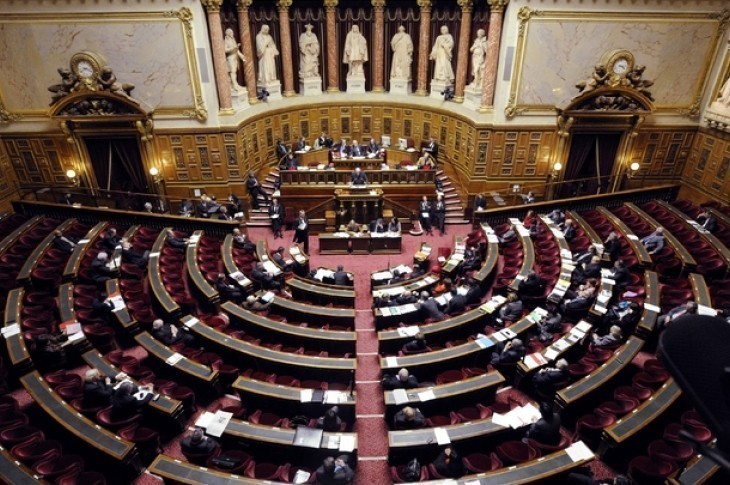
(308, 437)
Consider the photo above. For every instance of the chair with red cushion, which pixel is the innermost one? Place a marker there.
(473, 413)
(12, 419)
(267, 419)
(648, 470)
(639, 393)
(699, 432)
(653, 380)
(398, 474)
(104, 418)
(590, 427)
(581, 369)
(439, 420)
(146, 439)
(480, 462)
(22, 433)
(57, 466)
(513, 452)
(239, 455)
(83, 478)
(674, 451)
(544, 449)
(263, 471)
(30, 452)
(449, 376)
(619, 407)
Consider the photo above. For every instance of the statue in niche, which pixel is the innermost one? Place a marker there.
(309, 54)
(441, 53)
(266, 51)
(724, 98)
(478, 57)
(233, 55)
(402, 46)
(356, 53)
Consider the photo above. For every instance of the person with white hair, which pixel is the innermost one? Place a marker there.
(402, 380)
(98, 389)
(100, 272)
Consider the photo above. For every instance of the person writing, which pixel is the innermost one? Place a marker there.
(358, 177)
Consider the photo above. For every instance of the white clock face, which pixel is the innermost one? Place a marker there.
(621, 66)
(85, 69)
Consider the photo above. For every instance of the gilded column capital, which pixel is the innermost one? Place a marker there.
(331, 4)
(212, 5)
(243, 4)
(466, 5)
(378, 3)
(497, 5)
(283, 4)
(425, 5)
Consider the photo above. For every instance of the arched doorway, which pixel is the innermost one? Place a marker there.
(116, 163)
(590, 163)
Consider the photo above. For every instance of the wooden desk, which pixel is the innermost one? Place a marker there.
(185, 368)
(588, 229)
(490, 262)
(597, 379)
(687, 260)
(40, 250)
(122, 316)
(566, 264)
(699, 470)
(543, 468)
(363, 244)
(163, 297)
(271, 435)
(288, 334)
(10, 239)
(176, 471)
(296, 364)
(14, 472)
(528, 258)
(385, 244)
(66, 303)
(644, 415)
(113, 447)
(313, 314)
(17, 351)
(649, 317)
(364, 203)
(302, 289)
(128, 235)
(524, 370)
(481, 429)
(415, 285)
(204, 288)
(164, 406)
(639, 250)
(331, 244)
(700, 290)
(74, 262)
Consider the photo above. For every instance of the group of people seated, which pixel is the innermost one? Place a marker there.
(125, 398)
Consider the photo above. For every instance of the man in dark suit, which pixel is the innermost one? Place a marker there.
(569, 231)
(373, 148)
(377, 226)
(301, 231)
(457, 303)
(480, 202)
(63, 243)
(254, 190)
(510, 311)
(281, 149)
(102, 306)
(545, 379)
(433, 148)
(409, 418)
(276, 214)
(124, 402)
(429, 307)
(612, 246)
(509, 353)
(169, 334)
(586, 256)
(129, 255)
(242, 242)
(100, 272)
(708, 221)
(98, 389)
(547, 429)
(186, 208)
(174, 241)
(335, 471)
(532, 285)
(197, 443)
(224, 215)
(689, 308)
(226, 291)
(439, 214)
(342, 149)
(259, 274)
(620, 275)
(110, 241)
(341, 277)
(358, 177)
(402, 380)
(322, 141)
(424, 215)
(278, 258)
(357, 150)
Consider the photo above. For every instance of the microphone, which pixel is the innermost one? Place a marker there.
(352, 383)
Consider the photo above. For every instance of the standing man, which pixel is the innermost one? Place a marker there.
(433, 148)
(301, 232)
(439, 214)
(358, 177)
(276, 214)
(254, 189)
(424, 215)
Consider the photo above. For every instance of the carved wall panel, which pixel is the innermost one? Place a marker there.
(708, 166)
(661, 154)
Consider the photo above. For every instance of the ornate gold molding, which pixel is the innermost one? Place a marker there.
(243, 4)
(331, 4)
(283, 4)
(6, 116)
(378, 3)
(466, 5)
(212, 6)
(498, 6)
(425, 5)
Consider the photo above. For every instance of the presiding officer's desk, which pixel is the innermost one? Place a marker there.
(377, 178)
(338, 243)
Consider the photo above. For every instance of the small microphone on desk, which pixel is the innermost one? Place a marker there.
(352, 383)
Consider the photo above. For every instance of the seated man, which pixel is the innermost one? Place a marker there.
(263, 277)
(353, 226)
(510, 312)
(62, 243)
(409, 418)
(402, 380)
(341, 277)
(546, 378)
(175, 242)
(654, 242)
(226, 291)
(613, 337)
(708, 221)
(242, 242)
(449, 463)
(624, 314)
(169, 334)
(278, 258)
(620, 274)
(98, 389)
(377, 226)
(418, 344)
(129, 255)
(335, 471)
(197, 443)
(509, 353)
(124, 402)
(457, 303)
(357, 150)
(254, 304)
(429, 307)
(508, 235)
(426, 161)
(186, 208)
(110, 241)
(547, 429)
(689, 308)
(405, 298)
(102, 306)
(532, 285)
(569, 231)
(331, 420)
(100, 272)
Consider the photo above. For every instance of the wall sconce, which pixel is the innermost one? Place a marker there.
(156, 177)
(557, 167)
(73, 177)
(633, 168)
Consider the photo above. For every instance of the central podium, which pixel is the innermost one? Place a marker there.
(360, 201)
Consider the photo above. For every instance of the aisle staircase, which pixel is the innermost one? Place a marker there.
(454, 210)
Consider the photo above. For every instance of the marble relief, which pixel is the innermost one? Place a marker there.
(553, 60)
(131, 47)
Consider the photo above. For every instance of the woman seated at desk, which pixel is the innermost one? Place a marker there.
(426, 161)
(394, 225)
(352, 226)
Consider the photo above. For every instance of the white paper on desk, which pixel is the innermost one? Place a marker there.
(633, 237)
(484, 342)
(501, 420)
(408, 331)
(267, 297)
(578, 451)
(331, 442)
(334, 397)
(191, 322)
(515, 221)
(426, 395)
(561, 344)
(499, 336)
(305, 395)
(84, 241)
(577, 332)
(442, 436)
(404, 269)
(472, 482)
(391, 361)
(301, 476)
(10, 330)
(528, 413)
(600, 309)
(174, 358)
(508, 332)
(118, 302)
(705, 310)
(492, 238)
(652, 308)
(76, 336)
(205, 419)
(347, 442)
(155, 254)
(583, 326)
(608, 281)
(551, 353)
(400, 396)
(218, 424)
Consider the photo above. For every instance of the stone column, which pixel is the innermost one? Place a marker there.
(489, 78)
(215, 29)
(249, 67)
(462, 57)
(333, 66)
(286, 58)
(378, 58)
(423, 47)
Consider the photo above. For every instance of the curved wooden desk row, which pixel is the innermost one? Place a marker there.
(485, 385)
(10, 239)
(698, 471)
(205, 289)
(621, 358)
(163, 297)
(239, 429)
(566, 262)
(14, 472)
(310, 337)
(301, 180)
(688, 262)
(92, 435)
(303, 289)
(74, 262)
(302, 312)
(122, 316)
(457, 353)
(590, 232)
(652, 300)
(41, 248)
(528, 257)
(18, 354)
(700, 290)
(296, 363)
(177, 471)
(490, 263)
(66, 310)
(639, 250)
(268, 390)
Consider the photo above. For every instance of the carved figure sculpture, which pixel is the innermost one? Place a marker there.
(724, 97)
(478, 57)
(441, 53)
(309, 54)
(68, 81)
(266, 51)
(233, 55)
(598, 78)
(402, 46)
(356, 53)
(108, 82)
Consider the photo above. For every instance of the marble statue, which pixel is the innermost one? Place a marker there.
(233, 54)
(309, 54)
(478, 57)
(356, 53)
(724, 98)
(441, 53)
(266, 51)
(402, 46)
